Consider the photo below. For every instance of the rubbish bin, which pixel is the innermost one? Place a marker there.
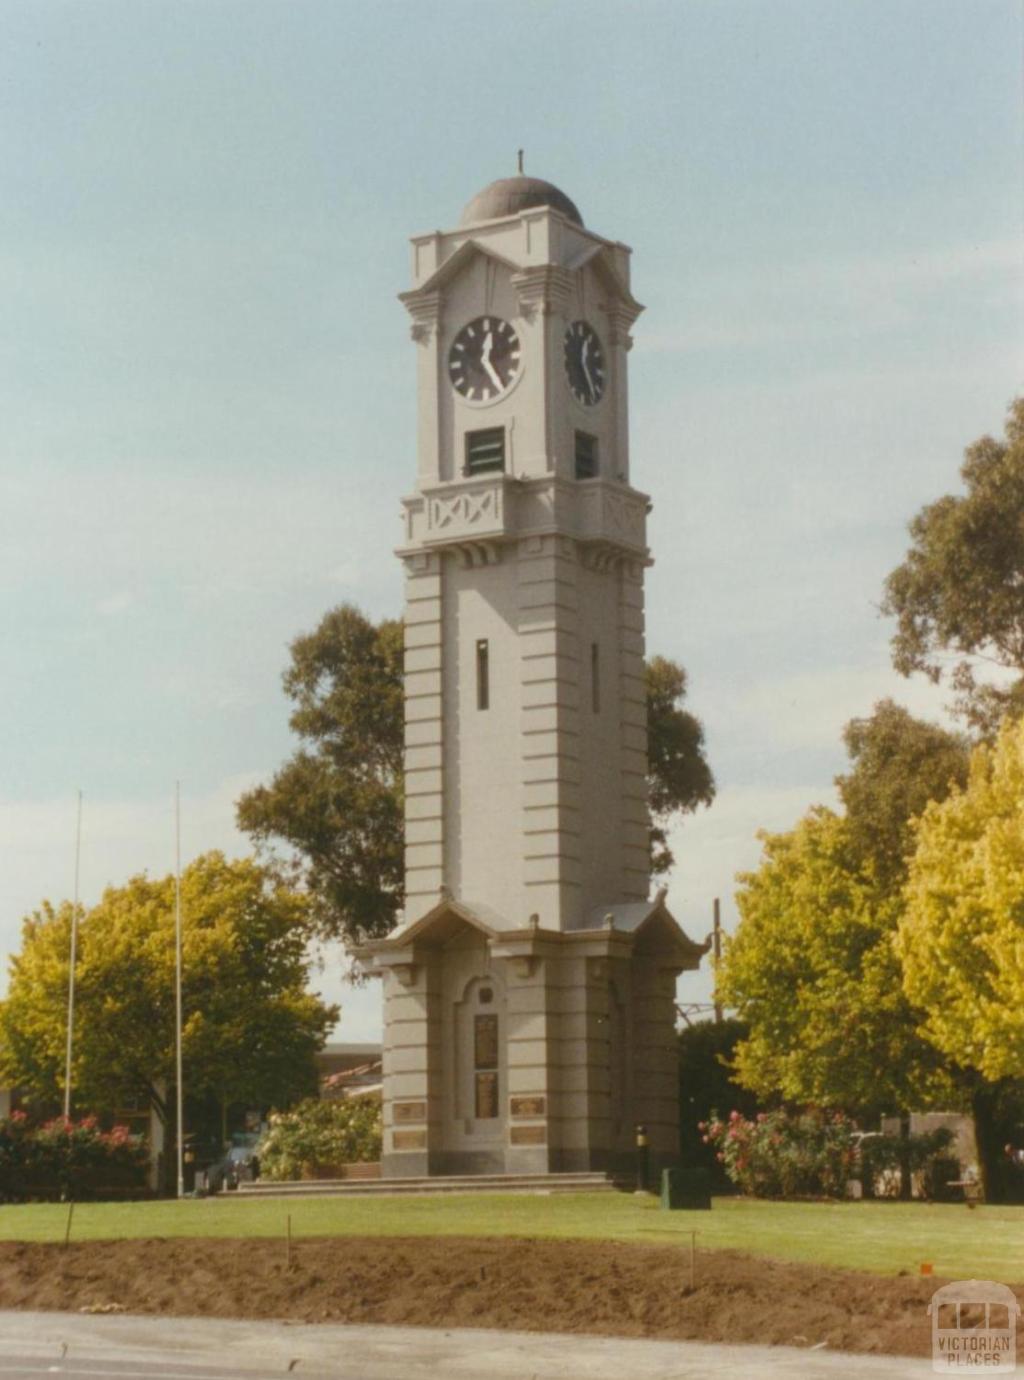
(685, 1188)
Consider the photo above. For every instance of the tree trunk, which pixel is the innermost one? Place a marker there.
(166, 1184)
(906, 1182)
(991, 1167)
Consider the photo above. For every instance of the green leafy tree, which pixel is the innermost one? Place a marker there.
(899, 764)
(679, 778)
(813, 971)
(812, 967)
(708, 1088)
(337, 805)
(961, 936)
(250, 1026)
(958, 597)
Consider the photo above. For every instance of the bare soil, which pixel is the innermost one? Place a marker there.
(603, 1287)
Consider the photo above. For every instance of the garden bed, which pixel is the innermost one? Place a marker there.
(603, 1287)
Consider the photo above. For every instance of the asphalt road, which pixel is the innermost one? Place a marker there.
(163, 1367)
(129, 1347)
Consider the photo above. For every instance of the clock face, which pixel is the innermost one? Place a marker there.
(584, 363)
(484, 359)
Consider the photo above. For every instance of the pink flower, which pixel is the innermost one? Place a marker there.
(734, 1116)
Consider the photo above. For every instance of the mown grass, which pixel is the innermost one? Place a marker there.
(986, 1243)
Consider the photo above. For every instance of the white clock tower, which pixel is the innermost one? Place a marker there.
(529, 992)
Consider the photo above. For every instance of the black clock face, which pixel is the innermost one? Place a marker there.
(484, 359)
(584, 363)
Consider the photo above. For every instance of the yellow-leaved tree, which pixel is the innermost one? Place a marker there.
(251, 1027)
(961, 933)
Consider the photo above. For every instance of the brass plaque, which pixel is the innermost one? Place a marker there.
(409, 1111)
(527, 1106)
(409, 1140)
(528, 1135)
(486, 1095)
(485, 1042)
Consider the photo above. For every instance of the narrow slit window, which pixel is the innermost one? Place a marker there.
(485, 450)
(483, 675)
(485, 1061)
(586, 455)
(595, 677)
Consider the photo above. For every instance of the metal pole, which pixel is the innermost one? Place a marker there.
(71, 972)
(718, 954)
(177, 986)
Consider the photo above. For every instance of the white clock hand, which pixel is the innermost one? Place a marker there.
(485, 360)
(584, 351)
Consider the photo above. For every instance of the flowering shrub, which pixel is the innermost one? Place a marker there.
(318, 1135)
(782, 1154)
(67, 1159)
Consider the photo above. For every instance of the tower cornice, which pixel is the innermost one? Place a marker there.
(602, 514)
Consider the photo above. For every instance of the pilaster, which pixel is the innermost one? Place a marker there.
(412, 1063)
(528, 1095)
(635, 824)
(424, 783)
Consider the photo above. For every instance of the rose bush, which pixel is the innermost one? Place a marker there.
(784, 1154)
(317, 1135)
(68, 1159)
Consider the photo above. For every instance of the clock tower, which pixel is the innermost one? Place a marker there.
(529, 992)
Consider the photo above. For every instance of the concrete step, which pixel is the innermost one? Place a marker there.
(441, 1183)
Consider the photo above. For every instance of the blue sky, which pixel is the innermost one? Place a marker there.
(206, 383)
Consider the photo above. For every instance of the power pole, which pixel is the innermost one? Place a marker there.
(71, 970)
(177, 986)
(717, 935)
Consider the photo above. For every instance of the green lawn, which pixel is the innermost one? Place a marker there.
(987, 1243)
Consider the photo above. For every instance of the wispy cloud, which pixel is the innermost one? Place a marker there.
(834, 298)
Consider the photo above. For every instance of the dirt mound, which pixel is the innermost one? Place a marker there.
(606, 1287)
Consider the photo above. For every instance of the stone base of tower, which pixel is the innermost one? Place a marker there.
(530, 1051)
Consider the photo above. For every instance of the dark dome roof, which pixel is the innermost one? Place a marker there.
(510, 195)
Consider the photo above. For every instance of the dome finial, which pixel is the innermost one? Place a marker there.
(520, 161)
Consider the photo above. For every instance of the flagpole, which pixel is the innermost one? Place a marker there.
(177, 984)
(71, 972)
